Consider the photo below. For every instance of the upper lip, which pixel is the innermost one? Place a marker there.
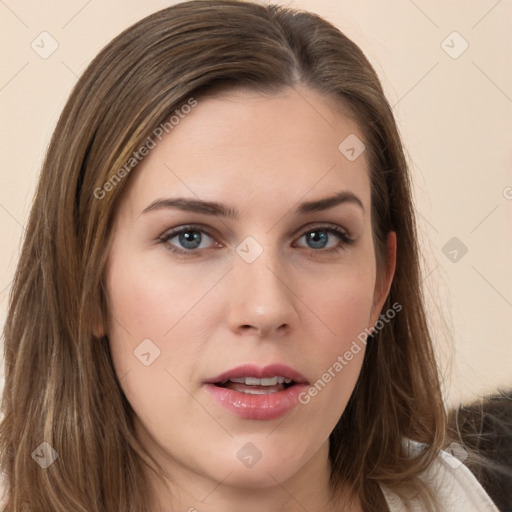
(259, 372)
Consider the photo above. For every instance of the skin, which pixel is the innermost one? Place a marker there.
(210, 311)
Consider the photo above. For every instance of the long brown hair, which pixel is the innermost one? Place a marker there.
(61, 387)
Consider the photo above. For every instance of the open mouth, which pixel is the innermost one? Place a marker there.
(255, 386)
(257, 393)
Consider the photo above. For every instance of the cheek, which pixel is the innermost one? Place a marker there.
(344, 302)
(151, 298)
(157, 329)
(151, 313)
(341, 303)
(342, 299)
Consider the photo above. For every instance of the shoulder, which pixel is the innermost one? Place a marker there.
(455, 486)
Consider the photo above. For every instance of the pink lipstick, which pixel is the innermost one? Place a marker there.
(258, 393)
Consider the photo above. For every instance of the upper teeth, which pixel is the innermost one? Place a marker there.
(253, 381)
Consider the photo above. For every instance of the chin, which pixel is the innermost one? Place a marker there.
(262, 477)
(251, 468)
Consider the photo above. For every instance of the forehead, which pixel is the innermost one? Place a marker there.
(255, 147)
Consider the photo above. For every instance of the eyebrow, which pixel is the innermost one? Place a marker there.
(219, 209)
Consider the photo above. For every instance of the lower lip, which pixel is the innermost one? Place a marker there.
(258, 407)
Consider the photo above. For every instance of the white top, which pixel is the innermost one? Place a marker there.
(457, 489)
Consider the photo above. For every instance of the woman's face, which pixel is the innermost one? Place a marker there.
(267, 279)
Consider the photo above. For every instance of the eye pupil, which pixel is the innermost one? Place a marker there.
(318, 238)
(190, 239)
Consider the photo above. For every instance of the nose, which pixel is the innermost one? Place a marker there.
(261, 297)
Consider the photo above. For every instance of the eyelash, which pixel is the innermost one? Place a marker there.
(345, 239)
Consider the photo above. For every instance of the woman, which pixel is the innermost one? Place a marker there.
(218, 301)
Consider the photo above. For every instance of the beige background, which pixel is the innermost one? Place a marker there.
(454, 115)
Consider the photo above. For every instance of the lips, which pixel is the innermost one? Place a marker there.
(254, 392)
(258, 372)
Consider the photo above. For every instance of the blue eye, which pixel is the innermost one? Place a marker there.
(188, 239)
(318, 238)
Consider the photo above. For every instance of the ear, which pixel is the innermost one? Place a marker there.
(384, 278)
(98, 324)
(98, 330)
